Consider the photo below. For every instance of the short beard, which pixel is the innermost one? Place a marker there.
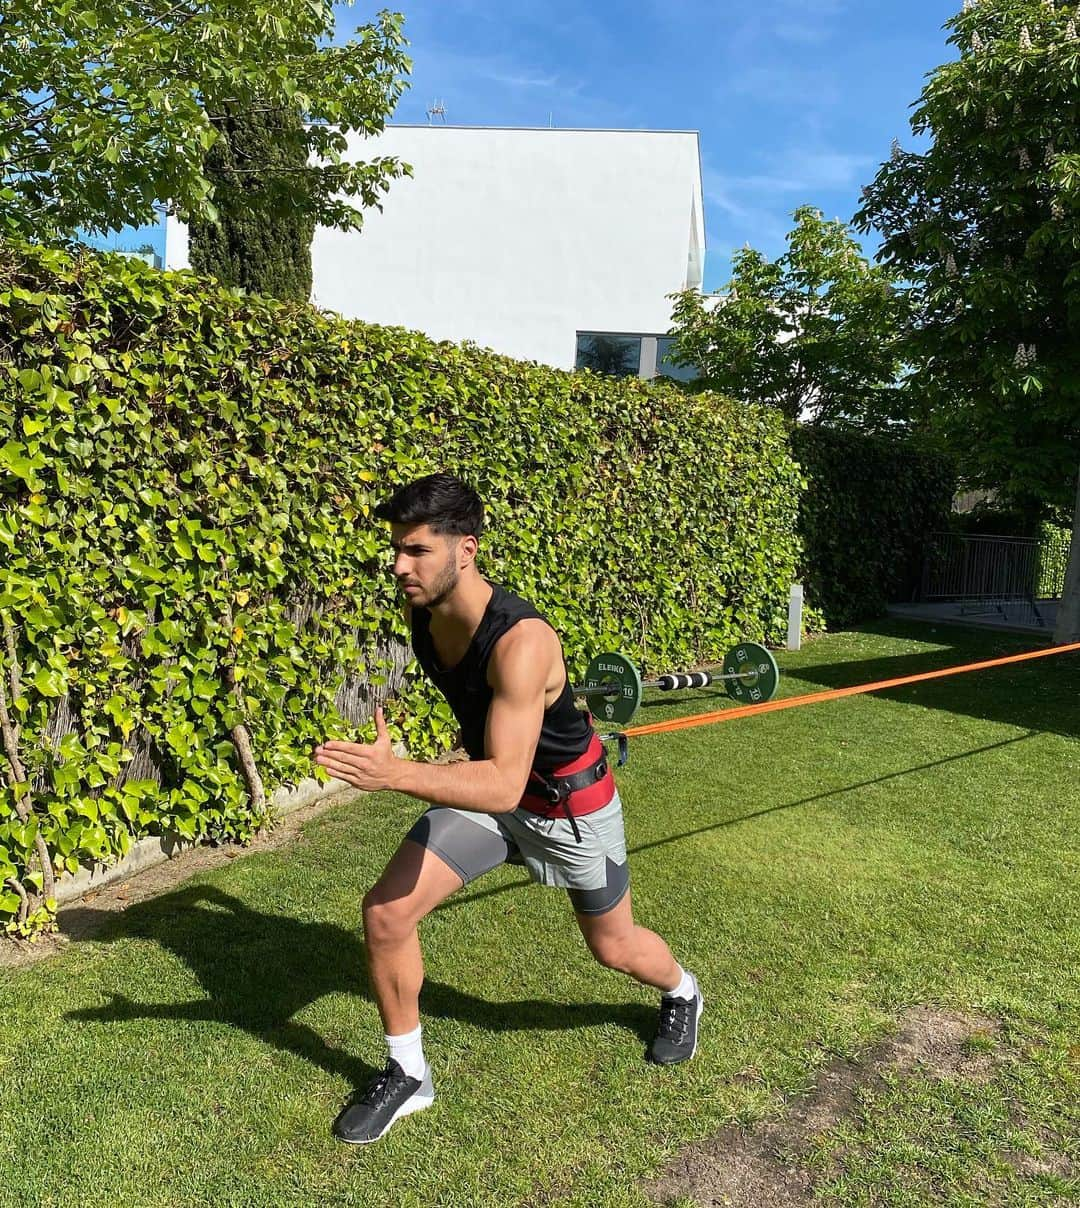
(444, 585)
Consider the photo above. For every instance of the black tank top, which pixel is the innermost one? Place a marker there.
(566, 731)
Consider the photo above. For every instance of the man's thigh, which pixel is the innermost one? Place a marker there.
(467, 843)
(415, 881)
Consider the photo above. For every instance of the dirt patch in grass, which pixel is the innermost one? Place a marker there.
(77, 922)
(760, 1167)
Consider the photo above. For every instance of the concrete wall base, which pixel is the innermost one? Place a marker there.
(156, 849)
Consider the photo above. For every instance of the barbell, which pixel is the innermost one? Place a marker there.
(749, 675)
(830, 694)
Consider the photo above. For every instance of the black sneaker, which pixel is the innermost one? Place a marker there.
(676, 1033)
(393, 1094)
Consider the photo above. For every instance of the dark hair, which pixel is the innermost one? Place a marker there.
(440, 500)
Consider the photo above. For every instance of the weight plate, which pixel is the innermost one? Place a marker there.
(622, 702)
(757, 671)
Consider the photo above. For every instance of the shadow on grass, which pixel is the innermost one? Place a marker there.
(1043, 694)
(772, 809)
(840, 792)
(259, 969)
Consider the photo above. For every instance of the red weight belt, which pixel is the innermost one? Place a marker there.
(572, 802)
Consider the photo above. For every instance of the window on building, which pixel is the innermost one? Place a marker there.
(607, 353)
(665, 367)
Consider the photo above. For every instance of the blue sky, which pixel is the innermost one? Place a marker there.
(797, 101)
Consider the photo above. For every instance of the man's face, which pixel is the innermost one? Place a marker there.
(426, 563)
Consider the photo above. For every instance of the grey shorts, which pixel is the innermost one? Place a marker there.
(594, 871)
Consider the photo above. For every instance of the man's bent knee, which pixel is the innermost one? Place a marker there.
(388, 921)
(411, 886)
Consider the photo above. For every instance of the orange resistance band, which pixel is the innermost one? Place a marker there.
(790, 702)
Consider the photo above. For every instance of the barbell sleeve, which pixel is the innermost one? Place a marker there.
(674, 680)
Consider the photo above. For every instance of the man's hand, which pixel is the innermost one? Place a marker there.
(371, 766)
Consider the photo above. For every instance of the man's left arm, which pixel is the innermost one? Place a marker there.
(493, 785)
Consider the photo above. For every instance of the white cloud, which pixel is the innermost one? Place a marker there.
(510, 78)
(806, 35)
(499, 88)
(808, 169)
(756, 208)
(803, 22)
(784, 84)
(752, 220)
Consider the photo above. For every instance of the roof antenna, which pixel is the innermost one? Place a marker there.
(438, 109)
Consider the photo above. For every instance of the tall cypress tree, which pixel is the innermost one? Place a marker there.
(262, 239)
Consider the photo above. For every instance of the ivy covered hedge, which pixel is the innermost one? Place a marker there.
(871, 503)
(193, 593)
(1055, 542)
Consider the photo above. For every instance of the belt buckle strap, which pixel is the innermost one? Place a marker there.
(553, 790)
(573, 820)
(559, 790)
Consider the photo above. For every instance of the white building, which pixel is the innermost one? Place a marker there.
(559, 246)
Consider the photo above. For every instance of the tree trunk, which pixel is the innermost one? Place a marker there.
(242, 742)
(1068, 621)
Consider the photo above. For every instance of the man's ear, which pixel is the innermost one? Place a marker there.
(467, 548)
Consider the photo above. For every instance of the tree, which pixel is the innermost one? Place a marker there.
(260, 241)
(816, 330)
(106, 105)
(985, 225)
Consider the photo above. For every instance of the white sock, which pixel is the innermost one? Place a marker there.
(686, 988)
(407, 1051)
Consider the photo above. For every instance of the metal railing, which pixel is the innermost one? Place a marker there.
(1008, 576)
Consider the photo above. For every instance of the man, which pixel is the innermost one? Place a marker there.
(536, 791)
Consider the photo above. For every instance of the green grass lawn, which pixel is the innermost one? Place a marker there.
(820, 869)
